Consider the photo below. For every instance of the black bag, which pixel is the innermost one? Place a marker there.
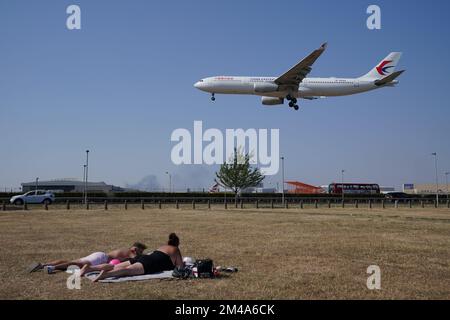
(182, 272)
(205, 268)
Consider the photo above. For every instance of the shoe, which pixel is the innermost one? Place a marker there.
(35, 266)
(49, 269)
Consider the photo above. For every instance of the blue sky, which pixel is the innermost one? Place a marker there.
(123, 83)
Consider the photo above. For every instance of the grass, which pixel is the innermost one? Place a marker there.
(281, 254)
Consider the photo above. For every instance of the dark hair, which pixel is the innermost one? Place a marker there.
(139, 246)
(173, 240)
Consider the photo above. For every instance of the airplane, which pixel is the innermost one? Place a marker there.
(294, 84)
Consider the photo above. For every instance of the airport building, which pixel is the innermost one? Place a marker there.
(298, 187)
(70, 185)
(386, 189)
(426, 188)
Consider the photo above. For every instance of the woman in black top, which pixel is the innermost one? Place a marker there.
(167, 257)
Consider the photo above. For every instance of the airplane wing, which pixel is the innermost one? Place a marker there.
(297, 73)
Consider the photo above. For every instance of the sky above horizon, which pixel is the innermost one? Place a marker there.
(124, 82)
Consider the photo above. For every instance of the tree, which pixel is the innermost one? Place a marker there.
(238, 174)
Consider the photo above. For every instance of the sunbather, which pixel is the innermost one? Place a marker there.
(94, 259)
(113, 264)
(167, 257)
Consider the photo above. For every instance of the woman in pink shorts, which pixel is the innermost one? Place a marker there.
(92, 260)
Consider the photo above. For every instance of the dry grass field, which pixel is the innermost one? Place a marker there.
(281, 254)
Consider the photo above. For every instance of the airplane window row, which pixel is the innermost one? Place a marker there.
(328, 82)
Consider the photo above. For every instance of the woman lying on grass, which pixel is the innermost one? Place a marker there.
(94, 260)
(167, 257)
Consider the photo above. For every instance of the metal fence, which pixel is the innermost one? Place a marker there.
(241, 203)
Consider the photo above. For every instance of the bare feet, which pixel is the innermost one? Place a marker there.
(99, 277)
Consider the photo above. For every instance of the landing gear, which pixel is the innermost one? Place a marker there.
(212, 97)
(292, 102)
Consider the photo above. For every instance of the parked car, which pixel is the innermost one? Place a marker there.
(35, 196)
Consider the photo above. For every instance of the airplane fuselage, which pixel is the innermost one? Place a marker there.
(294, 83)
(265, 86)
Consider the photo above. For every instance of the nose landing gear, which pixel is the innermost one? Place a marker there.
(292, 102)
(212, 97)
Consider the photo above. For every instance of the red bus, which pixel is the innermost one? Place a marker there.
(354, 188)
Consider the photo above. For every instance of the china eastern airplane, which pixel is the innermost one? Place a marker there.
(294, 84)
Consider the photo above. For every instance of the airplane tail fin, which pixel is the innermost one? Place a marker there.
(385, 68)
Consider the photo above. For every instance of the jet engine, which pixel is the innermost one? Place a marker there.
(271, 101)
(265, 87)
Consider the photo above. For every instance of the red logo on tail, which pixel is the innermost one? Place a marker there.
(383, 69)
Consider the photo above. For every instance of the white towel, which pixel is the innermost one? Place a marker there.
(160, 275)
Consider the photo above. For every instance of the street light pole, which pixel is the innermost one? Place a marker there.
(170, 181)
(86, 181)
(37, 180)
(437, 179)
(446, 181)
(282, 183)
(342, 184)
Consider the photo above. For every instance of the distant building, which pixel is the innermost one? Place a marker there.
(70, 185)
(256, 189)
(426, 188)
(264, 190)
(303, 188)
(384, 189)
(408, 187)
